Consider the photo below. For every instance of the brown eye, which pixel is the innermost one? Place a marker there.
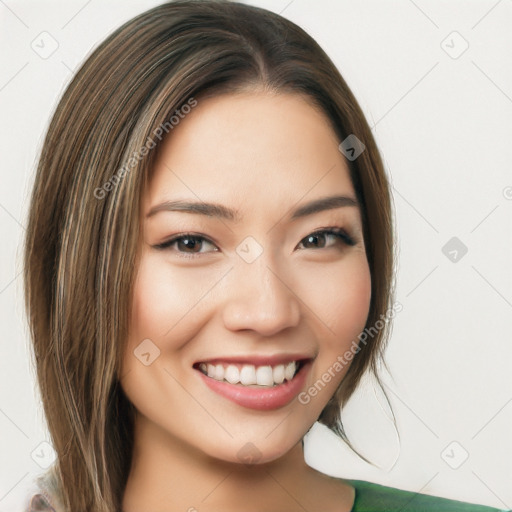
(186, 244)
(318, 239)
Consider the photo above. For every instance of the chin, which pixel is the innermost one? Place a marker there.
(256, 451)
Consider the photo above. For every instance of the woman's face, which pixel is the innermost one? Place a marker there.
(248, 289)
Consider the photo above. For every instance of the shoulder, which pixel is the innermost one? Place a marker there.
(375, 497)
(44, 494)
(39, 502)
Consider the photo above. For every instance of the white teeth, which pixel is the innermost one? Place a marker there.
(289, 370)
(264, 376)
(248, 374)
(232, 375)
(219, 372)
(278, 373)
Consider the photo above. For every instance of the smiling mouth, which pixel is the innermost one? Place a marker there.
(249, 375)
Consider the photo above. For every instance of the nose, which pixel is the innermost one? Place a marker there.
(259, 299)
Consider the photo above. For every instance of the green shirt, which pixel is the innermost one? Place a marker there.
(371, 497)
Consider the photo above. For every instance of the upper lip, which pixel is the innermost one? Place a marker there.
(257, 359)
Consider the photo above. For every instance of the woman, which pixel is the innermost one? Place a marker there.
(209, 235)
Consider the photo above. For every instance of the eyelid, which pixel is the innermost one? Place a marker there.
(167, 243)
(338, 231)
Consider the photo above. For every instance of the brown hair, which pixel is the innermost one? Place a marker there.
(83, 227)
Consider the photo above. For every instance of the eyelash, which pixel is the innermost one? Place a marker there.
(334, 231)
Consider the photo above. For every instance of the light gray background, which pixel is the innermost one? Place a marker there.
(443, 122)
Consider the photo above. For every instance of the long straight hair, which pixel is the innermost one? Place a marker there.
(83, 228)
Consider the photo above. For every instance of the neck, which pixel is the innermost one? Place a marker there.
(167, 474)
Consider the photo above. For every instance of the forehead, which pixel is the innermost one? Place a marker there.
(248, 150)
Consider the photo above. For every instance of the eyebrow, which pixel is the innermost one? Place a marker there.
(223, 212)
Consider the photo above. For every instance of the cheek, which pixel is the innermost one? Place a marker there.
(339, 296)
(163, 297)
(340, 301)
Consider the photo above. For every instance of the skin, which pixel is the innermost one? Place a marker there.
(263, 154)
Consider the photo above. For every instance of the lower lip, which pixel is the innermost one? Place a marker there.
(264, 398)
